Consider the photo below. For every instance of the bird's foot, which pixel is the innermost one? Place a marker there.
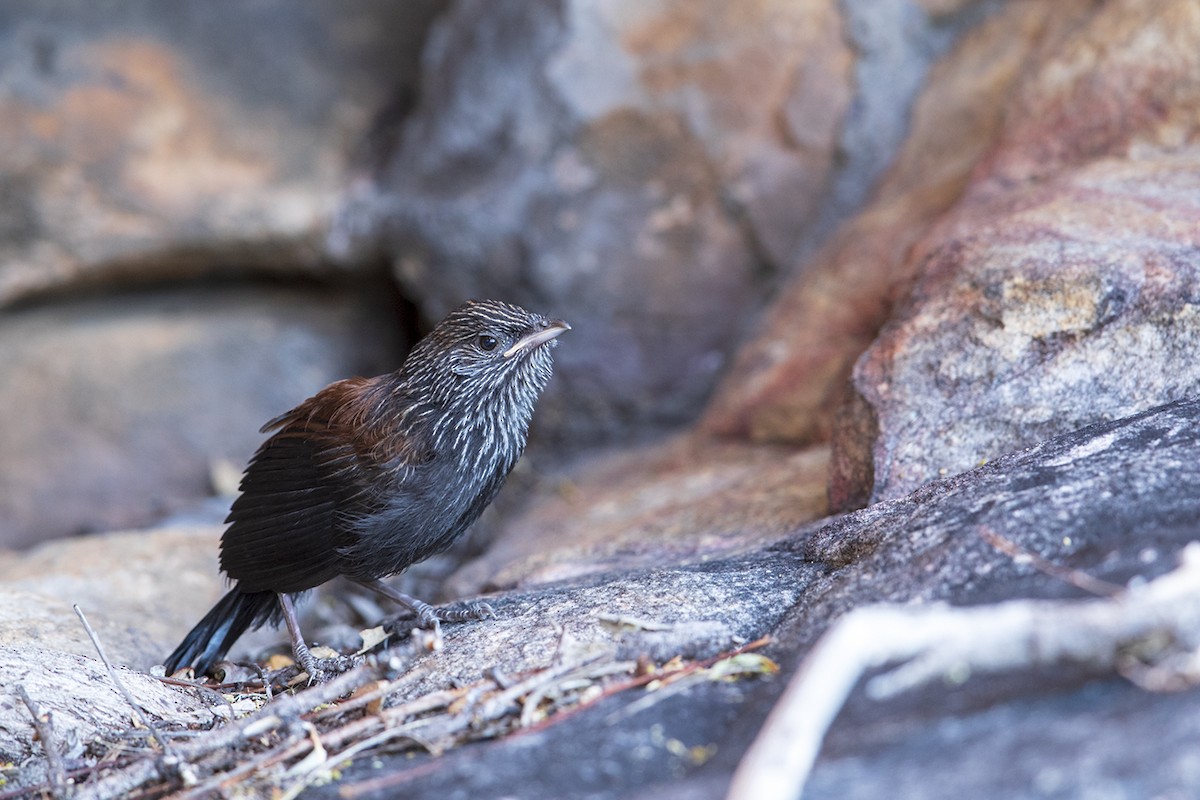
(427, 616)
(470, 611)
(320, 670)
(431, 617)
(328, 668)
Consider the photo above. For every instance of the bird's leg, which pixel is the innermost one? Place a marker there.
(304, 656)
(318, 669)
(430, 616)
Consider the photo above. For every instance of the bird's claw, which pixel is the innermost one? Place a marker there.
(467, 612)
(320, 670)
(431, 617)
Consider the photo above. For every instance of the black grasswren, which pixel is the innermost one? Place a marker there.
(372, 475)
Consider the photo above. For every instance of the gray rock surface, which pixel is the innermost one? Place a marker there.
(649, 171)
(119, 407)
(1094, 738)
(1117, 500)
(642, 169)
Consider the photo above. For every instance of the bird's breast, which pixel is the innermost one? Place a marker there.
(425, 510)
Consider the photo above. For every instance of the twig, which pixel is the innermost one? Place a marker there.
(55, 771)
(937, 641)
(642, 680)
(344, 756)
(1075, 577)
(246, 754)
(499, 703)
(220, 781)
(370, 742)
(112, 675)
(269, 718)
(586, 676)
(374, 731)
(390, 717)
(207, 690)
(365, 699)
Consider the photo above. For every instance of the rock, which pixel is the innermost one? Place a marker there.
(1061, 288)
(788, 382)
(1045, 320)
(84, 705)
(1034, 236)
(153, 142)
(1117, 500)
(138, 591)
(1068, 501)
(641, 169)
(690, 611)
(687, 499)
(141, 591)
(1086, 740)
(119, 407)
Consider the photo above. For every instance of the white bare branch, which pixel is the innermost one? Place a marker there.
(943, 642)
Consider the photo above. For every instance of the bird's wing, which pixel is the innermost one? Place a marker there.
(307, 483)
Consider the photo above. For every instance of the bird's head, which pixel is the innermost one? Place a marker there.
(485, 351)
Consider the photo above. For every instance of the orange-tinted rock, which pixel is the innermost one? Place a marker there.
(787, 383)
(151, 141)
(1064, 288)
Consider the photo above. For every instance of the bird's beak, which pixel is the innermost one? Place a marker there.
(529, 341)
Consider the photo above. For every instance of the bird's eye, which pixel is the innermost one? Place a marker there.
(487, 342)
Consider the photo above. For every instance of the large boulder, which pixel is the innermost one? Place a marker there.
(789, 382)
(1062, 288)
(643, 169)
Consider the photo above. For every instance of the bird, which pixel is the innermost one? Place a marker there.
(372, 475)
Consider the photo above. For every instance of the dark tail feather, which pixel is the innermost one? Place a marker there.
(212, 637)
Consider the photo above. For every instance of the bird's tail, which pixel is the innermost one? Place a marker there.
(212, 637)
